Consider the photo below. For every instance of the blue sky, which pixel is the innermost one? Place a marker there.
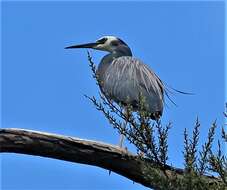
(43, 84)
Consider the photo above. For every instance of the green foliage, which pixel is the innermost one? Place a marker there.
(151, 140)
(190, 149)
(196, 166)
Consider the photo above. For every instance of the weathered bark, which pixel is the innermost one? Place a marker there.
(88, 152)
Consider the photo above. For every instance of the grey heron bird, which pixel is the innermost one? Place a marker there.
(124, 78)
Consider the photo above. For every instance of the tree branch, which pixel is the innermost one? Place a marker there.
(89, 152)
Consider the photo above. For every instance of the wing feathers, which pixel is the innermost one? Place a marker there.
(127, 77)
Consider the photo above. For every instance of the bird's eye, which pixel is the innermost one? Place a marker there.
(102, 40)
(114, 43)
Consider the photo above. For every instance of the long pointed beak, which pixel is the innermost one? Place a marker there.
(88, 45)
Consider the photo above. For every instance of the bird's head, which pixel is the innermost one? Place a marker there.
(106, 43)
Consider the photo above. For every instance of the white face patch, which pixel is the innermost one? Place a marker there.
(107, 45)
(109, 39)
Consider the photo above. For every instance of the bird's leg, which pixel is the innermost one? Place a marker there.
(122, 137)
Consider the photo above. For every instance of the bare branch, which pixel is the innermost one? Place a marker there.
(89, 152)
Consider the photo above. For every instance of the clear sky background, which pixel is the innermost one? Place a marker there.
(43, 84)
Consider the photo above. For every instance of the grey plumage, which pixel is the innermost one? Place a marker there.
(123, 78)
(127, 78)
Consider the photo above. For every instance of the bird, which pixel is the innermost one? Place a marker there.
(123, 78)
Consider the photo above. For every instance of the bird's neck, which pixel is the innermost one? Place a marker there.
(123, 51)
(107, 59)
